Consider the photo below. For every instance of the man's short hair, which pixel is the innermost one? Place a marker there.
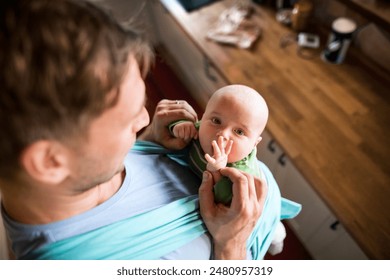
(59, 60)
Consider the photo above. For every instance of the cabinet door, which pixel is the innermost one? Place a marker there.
(316, 226)
(189, 63)
(268, 151)
(332, 242)
(293, 186)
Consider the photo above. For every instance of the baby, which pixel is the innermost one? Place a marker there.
(229, 130)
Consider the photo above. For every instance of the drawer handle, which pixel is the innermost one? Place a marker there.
(282, 159)
(209, 75)
(334, 225)
(271, 146)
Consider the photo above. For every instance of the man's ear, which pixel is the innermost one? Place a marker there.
(46, 161)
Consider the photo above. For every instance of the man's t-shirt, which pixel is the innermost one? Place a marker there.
(151, 181)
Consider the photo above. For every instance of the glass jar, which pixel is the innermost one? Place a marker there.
(301, 14)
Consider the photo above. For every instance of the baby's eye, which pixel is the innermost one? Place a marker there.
(215, 121)
(239, 132)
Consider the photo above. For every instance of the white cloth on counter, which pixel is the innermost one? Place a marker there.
(235, 28)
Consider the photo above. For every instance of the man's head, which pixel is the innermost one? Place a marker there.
(237, 113)
(63, 64)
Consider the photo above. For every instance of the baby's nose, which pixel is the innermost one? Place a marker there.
(224, 133)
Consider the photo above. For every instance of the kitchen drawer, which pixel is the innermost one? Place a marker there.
(332, 241)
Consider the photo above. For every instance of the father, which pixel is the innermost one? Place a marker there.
(72, 100)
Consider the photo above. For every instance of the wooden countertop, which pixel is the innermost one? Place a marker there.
(331, 120)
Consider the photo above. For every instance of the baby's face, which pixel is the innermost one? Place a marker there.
(234, 119)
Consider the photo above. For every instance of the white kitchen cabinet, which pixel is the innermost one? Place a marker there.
(331, 241)
(293, 186)
(316, 226)
(190, 64)
(268, 151)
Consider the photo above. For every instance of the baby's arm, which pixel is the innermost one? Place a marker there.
(185, 130)
(219, 159)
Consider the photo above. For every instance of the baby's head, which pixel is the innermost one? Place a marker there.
(238, 113)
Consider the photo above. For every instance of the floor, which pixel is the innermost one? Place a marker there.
(162, 83)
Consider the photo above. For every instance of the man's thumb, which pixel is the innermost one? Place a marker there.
(206, 195)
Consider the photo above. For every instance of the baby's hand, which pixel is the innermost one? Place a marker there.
(185, 130)
(221, 150)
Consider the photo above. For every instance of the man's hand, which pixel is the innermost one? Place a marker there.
(166, 112)
(221, 151)
(185, 130)
(231, 226)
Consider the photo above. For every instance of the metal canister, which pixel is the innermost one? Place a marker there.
(339, 40)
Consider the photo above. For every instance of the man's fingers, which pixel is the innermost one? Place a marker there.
(261, 188)
(171, 114)
(206, 195)
(240, 185)
(178, 108)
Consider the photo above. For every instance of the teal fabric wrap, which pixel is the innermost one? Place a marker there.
(156, 233)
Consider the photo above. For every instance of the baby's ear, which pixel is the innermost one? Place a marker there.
(258, 140)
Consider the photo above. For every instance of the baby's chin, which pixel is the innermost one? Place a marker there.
(232, 159)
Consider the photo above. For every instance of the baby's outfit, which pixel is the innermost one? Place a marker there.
(223, 188)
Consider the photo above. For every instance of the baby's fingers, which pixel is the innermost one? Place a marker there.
(187, 133)
(209, 158)
(194, 132)
(228, 147)
(177, 132)
(216, 149)
(221, 143)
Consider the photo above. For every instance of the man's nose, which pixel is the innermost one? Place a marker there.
(143, 120)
